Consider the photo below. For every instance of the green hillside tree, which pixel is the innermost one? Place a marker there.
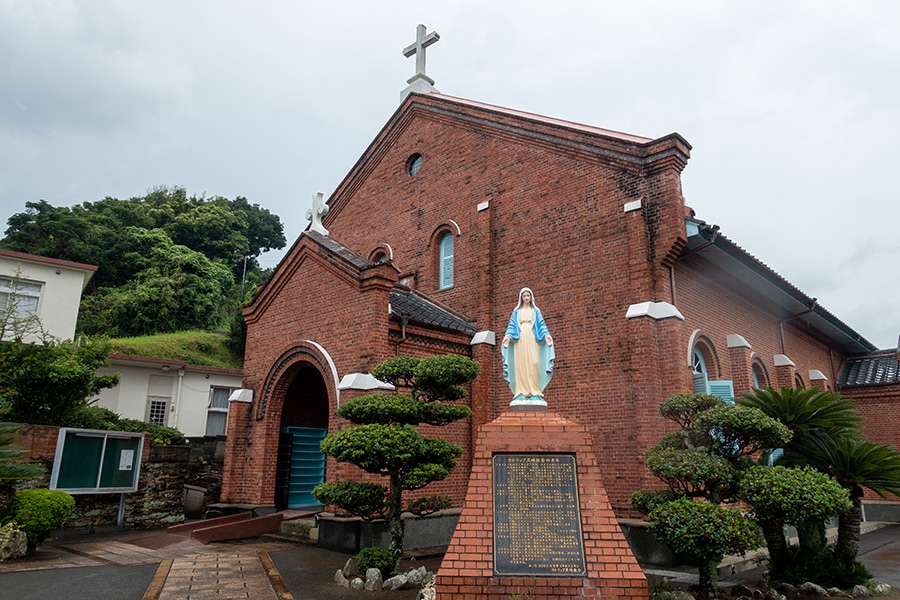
(133, 242)
(176, 289)
(386, 442)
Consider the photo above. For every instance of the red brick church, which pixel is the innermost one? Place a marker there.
(424, 245)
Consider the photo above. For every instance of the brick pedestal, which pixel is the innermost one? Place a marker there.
(467, 571)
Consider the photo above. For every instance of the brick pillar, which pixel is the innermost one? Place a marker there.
(468, 568)
(817, 379)
(784, 371)
(239, 408)
(484, 352)
(739, 359)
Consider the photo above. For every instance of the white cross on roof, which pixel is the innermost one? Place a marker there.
(418, 48)
(420, 82)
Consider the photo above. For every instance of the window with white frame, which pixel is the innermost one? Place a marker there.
(21, 296)
(159, 399)
(217, 413)
(157, 410)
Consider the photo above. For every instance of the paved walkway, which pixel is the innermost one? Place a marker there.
(156, 566)
(187, 569)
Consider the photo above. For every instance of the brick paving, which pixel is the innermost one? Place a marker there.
(188, 570)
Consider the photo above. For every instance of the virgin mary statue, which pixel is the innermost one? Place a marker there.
(528, 352)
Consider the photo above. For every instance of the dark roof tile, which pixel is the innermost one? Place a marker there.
(419, 310)
(872, 369)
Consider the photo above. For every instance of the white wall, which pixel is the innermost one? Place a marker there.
(61, 294)
(188, 388)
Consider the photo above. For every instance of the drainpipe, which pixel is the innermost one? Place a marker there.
(810, 307)
(714, 233)
(404, 320)
(176, 406)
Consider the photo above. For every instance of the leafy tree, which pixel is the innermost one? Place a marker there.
(702, 464)
(12, 472)
(386, 442)
(802, 497)
(176, 289)
(828, 438)
(855, 464)
(46, 230)
(123, 238)
(804, 411)
(48, 384)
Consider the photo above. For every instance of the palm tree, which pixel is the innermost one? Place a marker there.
(805, 410)
(856, 464)
(809, 414)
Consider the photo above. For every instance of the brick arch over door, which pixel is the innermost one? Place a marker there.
(286, 369)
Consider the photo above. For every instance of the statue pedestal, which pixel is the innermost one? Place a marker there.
(537, 519)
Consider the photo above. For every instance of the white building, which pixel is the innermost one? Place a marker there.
(47, 288)
(190, 398)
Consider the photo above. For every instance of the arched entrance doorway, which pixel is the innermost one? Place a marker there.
(304, 422)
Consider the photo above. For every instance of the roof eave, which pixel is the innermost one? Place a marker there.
(718, 249)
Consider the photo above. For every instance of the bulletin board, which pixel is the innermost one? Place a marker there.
(90, 461)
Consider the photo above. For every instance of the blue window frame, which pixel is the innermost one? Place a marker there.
(445, 261)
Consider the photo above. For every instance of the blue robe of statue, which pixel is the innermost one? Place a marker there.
(547, 354)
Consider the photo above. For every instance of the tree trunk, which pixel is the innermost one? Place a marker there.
(707, 571)
(7, 496)
(395, 522)
(847, 546)
(812, 536)
(773, 531)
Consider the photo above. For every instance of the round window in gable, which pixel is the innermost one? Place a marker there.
(413, 164)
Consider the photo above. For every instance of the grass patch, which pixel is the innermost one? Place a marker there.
(203, 348)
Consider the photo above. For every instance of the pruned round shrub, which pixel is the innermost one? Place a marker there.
(367, 500)
(375, 558)
(39, 512)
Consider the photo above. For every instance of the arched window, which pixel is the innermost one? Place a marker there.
(798, 382)
(699, 361)
(705, 368)
(759, 372)
(445, 261)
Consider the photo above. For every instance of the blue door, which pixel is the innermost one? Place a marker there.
(305, 462)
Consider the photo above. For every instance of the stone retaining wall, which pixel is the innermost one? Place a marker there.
(159, 500)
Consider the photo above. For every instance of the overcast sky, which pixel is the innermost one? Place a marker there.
(791, 107)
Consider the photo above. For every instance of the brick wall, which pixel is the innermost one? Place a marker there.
(531, 203)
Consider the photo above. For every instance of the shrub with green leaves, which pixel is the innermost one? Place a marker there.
(375, 558)
(366, 500)
(39, 512)
(704, 529)
(384, 440)
(159, 434)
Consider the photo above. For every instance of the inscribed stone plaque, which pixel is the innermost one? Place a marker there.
(537, 519)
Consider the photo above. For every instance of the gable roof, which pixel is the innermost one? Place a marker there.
(555, 135)
(706, 241)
